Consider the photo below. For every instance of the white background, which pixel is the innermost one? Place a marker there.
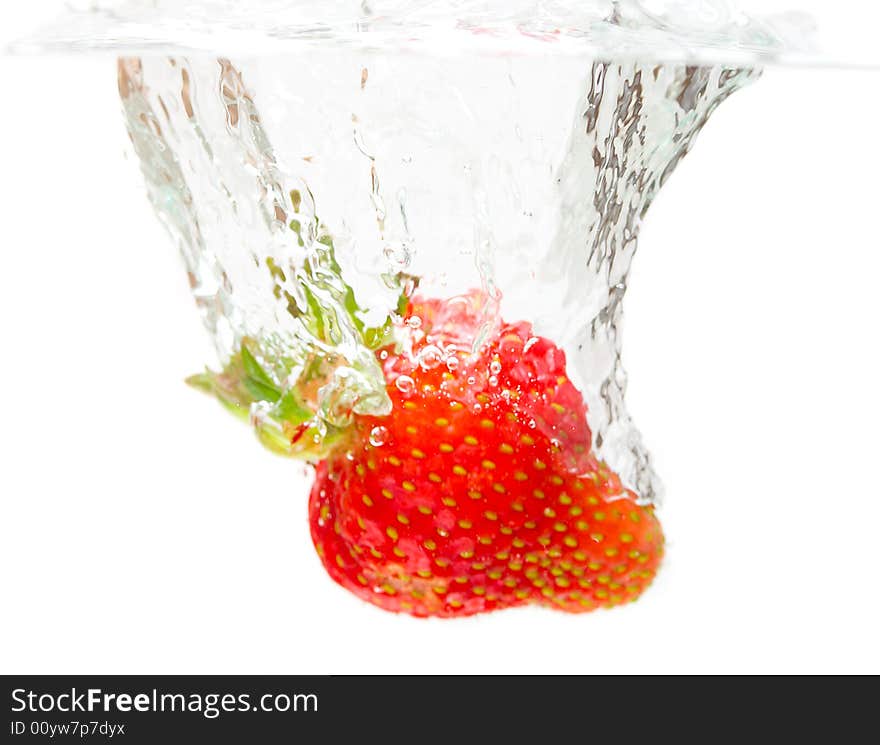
(143, 530)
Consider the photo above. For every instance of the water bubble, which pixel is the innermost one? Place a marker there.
(405, 384)
(414, 322)
(493, 380)
(430, 357)
(452, 363)
(495, 367)
(397, 254)
(378, 436)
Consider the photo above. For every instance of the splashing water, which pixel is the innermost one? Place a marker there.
(704, 31)
(318, 184)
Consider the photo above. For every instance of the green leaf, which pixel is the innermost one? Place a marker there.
(201, 382)
(289, 416)
(260, 391)
(254, 371)
(291, 410)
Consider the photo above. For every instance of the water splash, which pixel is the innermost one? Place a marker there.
(533, 192)
(260, 263)
(704, 31)
(639, 121)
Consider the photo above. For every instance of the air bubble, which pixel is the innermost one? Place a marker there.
(495, 367)
(405, 384)
(430, 357)
(493, 380)
(378, 436)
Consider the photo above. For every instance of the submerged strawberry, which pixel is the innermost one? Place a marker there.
(479, 491)
(476, 488)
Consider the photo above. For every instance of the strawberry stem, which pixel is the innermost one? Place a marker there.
(300, 397)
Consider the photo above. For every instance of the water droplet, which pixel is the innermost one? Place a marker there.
(378, 436)
(493, 380)
(495, 367)
(430, 357)
(383, 355)
(414, 322)
(478, 408)
(452, 363)
(532, 424)
(405, 384)
(471, 380)
(397, 254)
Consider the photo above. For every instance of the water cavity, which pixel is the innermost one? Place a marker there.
(309, 192)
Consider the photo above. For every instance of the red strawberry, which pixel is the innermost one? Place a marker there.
(479, 491)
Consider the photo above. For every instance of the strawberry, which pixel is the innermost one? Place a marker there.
(479, 491)
(448, 481)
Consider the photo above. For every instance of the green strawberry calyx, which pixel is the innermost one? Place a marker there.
(301, 391)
